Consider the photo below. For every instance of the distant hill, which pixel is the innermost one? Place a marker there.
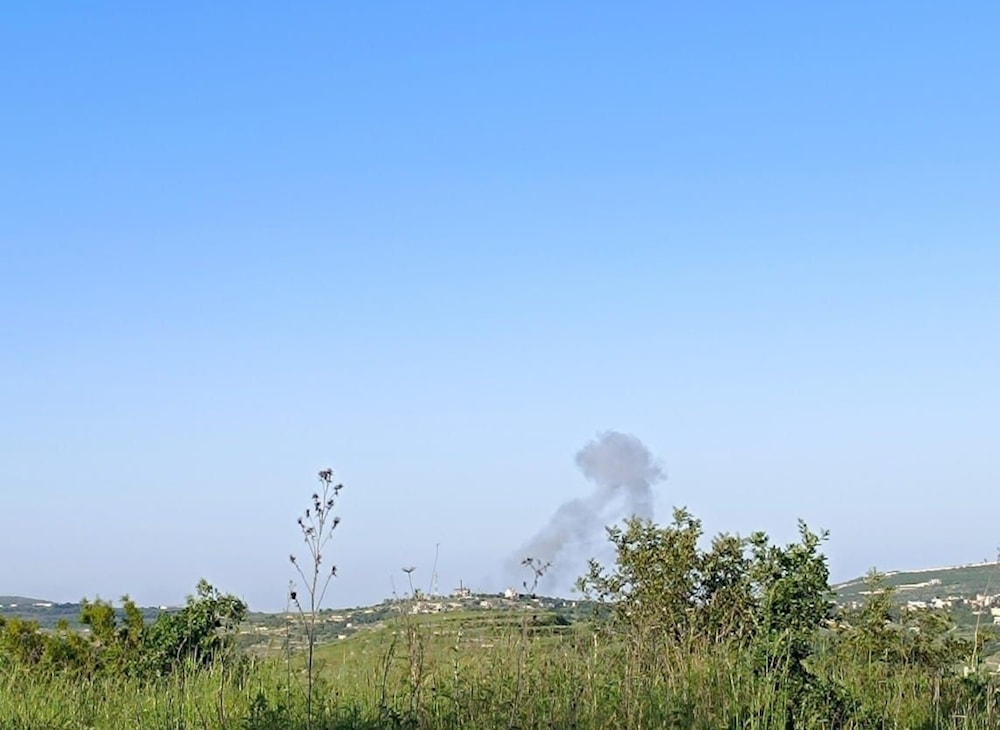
(48, 614)
(20, 601)
(960, 581)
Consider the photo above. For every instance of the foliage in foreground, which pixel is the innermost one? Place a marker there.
(580, 680)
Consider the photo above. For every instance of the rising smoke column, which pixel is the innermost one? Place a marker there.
(616, 463)
(621, 462)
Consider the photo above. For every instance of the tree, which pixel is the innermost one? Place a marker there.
(655, 578)
(795, 599)
(666, 593)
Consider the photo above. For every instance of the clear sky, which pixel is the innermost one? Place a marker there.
(439, 247)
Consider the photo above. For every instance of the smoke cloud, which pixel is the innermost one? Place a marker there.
(617, 461)
(619, 465)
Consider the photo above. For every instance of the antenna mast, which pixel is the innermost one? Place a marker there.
(434, 573)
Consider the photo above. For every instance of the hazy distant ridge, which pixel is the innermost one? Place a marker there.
(21, 600)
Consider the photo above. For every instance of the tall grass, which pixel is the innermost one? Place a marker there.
(513, 679)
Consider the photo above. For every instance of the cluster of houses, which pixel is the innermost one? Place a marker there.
(339, 625)
(980, 605)
(984, 604)
(463, 598)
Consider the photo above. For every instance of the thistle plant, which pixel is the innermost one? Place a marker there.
(538, 569)
(317, 526)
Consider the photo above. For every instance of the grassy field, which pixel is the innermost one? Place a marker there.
(742, 635)
(517, 670)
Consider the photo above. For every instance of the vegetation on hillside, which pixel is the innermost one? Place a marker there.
(956, 583)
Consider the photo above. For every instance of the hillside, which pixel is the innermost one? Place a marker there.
(22, 602)
(334, 623)
(969, 593)
(48, 614)
(19, 601)
(262, 629)
(962, 581)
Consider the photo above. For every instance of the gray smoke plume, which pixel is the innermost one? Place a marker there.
(616, 463)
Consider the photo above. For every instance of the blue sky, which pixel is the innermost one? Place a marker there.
(438, 247)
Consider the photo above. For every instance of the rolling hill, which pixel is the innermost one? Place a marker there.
(960, 581)
(20, 601)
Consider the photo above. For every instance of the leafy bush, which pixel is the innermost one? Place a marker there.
(749, 594)
(121, 643)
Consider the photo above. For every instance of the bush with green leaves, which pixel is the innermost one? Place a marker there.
(121, 643)
(202, 631)
(794, 599)
(668, 594)
(741, 589)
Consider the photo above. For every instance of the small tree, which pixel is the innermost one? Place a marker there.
(771, 600)
(317, 526)
(795, 600)
(203, 631)
(793, 585)
(656, 576)
(870, 633)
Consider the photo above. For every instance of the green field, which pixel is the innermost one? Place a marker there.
(475, 670)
